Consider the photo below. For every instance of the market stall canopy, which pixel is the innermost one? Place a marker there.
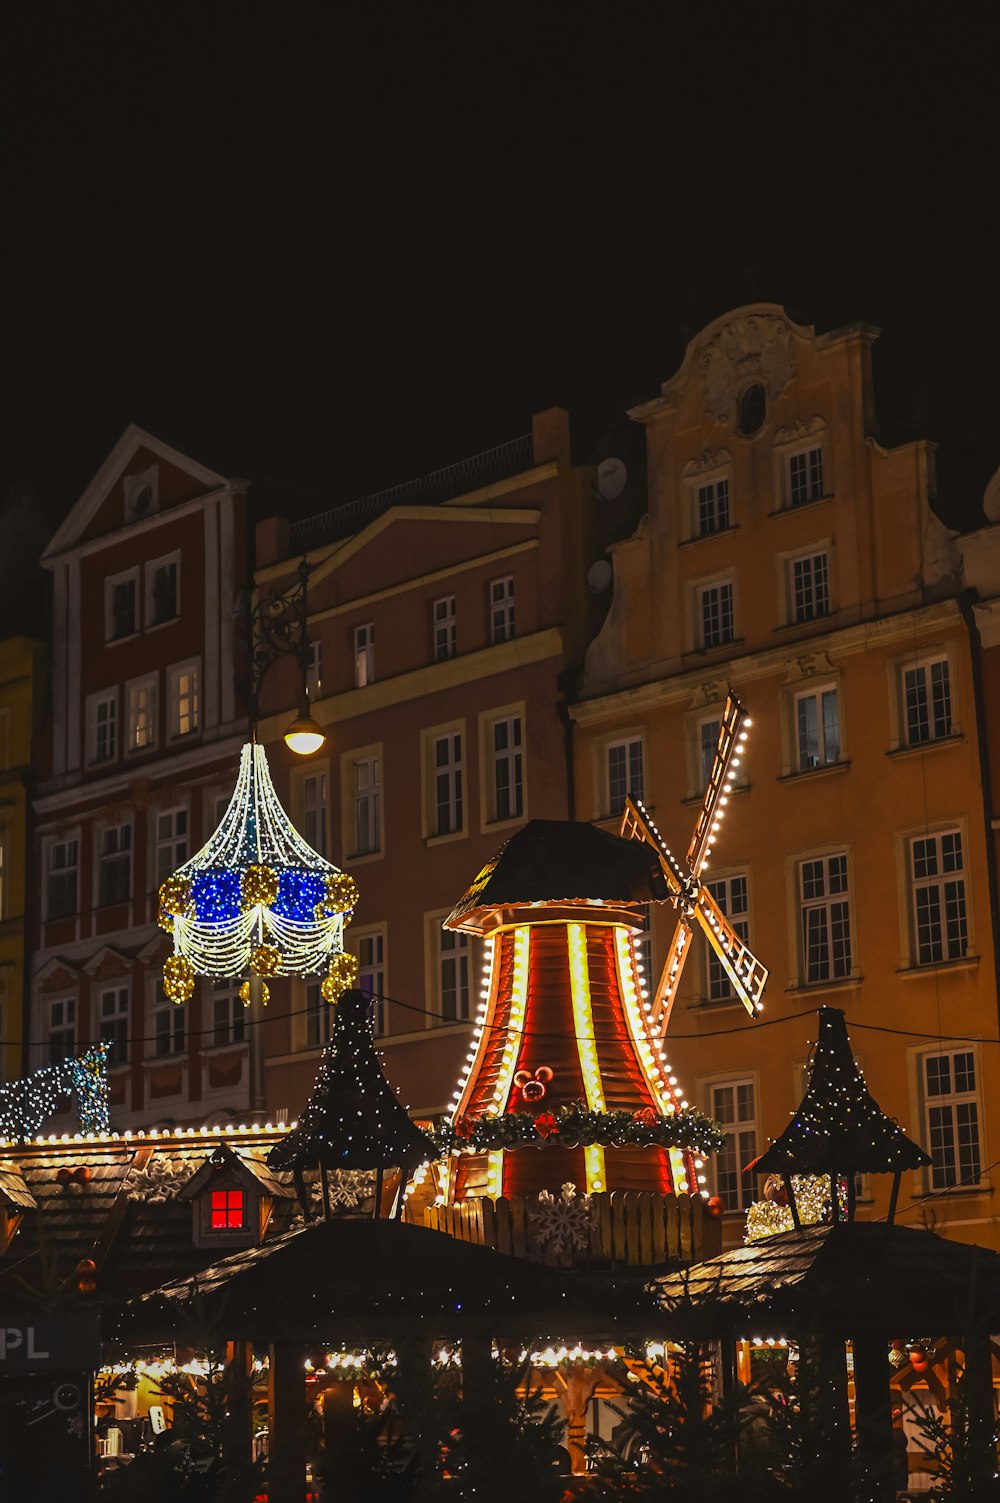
(561, 861)
(844, 1278)
(365, 1280)
(839, 1128)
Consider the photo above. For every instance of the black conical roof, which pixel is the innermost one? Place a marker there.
(839, 1128)
(352, 1119)
(561, 861)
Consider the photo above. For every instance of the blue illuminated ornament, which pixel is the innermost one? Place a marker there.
(256, 889)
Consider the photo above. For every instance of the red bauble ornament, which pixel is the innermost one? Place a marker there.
(64, 1175)
(714, 1207)
(464, 1127)
(546, 1125)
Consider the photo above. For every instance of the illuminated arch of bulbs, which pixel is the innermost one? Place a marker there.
(257, 898)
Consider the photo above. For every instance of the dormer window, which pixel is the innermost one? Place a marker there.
(228, 1211)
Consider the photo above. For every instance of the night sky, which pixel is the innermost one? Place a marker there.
(332, 248)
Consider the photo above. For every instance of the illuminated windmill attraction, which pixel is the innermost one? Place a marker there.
(568, 1056)
(694, 903)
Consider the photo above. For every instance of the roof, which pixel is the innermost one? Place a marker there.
(247, 1169)
(856, 1274)
(561, 861)
(839, 1128)
(13, 1190)
(362, 1279)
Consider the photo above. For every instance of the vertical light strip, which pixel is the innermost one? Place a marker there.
(648, 1051)
(515, 1024)
(583, 1018)
(486, 1011)
(494, 1173)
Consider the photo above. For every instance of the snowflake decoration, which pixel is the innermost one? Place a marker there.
(346, 1189)
(561, 1223)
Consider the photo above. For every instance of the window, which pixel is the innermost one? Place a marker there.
(364, 654)
(453, 975)
(102, 727)
(366, 807)
(732, 1106)
(713, 507)
(169, 1019)
(371, 975)
(314, 811)
(185, 699)
(319, 1016)
(114, 871)
(752, 410)
(952, 1118)
(314, 670)
(162, 597)
(140, 731)
(507, 768)
(171, 842)
(938, 878)
(445, 636)
(927, 701)
(715, 614)
(448, 783)
(121, 615)
(228, 1013)
(805, 476)
(502, 609)
(730, 893)
(227, 1210)
(817, 727)
(624, 766)
(61, 878)
(826, 918)
(62, 1029)
(809, 586)
(114, 1023)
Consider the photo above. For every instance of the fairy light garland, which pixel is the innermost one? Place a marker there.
(26, 1104)
(256, 897)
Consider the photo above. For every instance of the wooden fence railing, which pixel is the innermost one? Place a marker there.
(635, 1227)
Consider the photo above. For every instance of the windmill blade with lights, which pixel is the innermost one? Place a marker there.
(694, 903)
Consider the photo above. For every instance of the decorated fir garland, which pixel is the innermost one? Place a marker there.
(575, 1125)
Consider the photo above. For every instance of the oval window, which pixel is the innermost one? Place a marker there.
(753, 409)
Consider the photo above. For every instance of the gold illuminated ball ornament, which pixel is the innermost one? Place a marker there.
(341, 893)
(259, 887)
(265, 994)
(265, 960)
(178, 978)
(342, 974)
(175, 897)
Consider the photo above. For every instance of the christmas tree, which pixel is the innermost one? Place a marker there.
(352, 1119)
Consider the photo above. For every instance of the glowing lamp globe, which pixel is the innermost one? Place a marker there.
(304, 736)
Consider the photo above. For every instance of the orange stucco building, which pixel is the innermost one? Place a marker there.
(789, 553)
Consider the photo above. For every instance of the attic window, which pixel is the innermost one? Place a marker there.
(227, 1210)
(753, 410)
(141, 494)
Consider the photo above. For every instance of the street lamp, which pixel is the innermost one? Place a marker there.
(279, 627)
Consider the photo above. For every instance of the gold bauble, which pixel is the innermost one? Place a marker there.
(165, 920)
(341, 892)
(266, 960)
(265, 994)
(259, 887)
(178, 978)
(175, 896)
(341, 975)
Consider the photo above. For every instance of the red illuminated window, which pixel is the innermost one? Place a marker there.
(227, 1209)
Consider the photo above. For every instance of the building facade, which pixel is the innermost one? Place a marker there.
(789, 554)
(22, 690)
(150, 574)
(444, 619)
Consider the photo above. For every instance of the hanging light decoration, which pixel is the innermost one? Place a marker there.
(256, 897)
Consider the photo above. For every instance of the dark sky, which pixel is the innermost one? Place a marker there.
(338, 246)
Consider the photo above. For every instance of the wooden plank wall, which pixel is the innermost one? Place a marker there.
(635, 1227)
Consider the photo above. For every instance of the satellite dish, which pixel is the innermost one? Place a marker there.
(599, 577)
(611, 478)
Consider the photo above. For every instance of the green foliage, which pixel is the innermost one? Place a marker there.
(673, 1442)
(577, 1124)
(963, 1448)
